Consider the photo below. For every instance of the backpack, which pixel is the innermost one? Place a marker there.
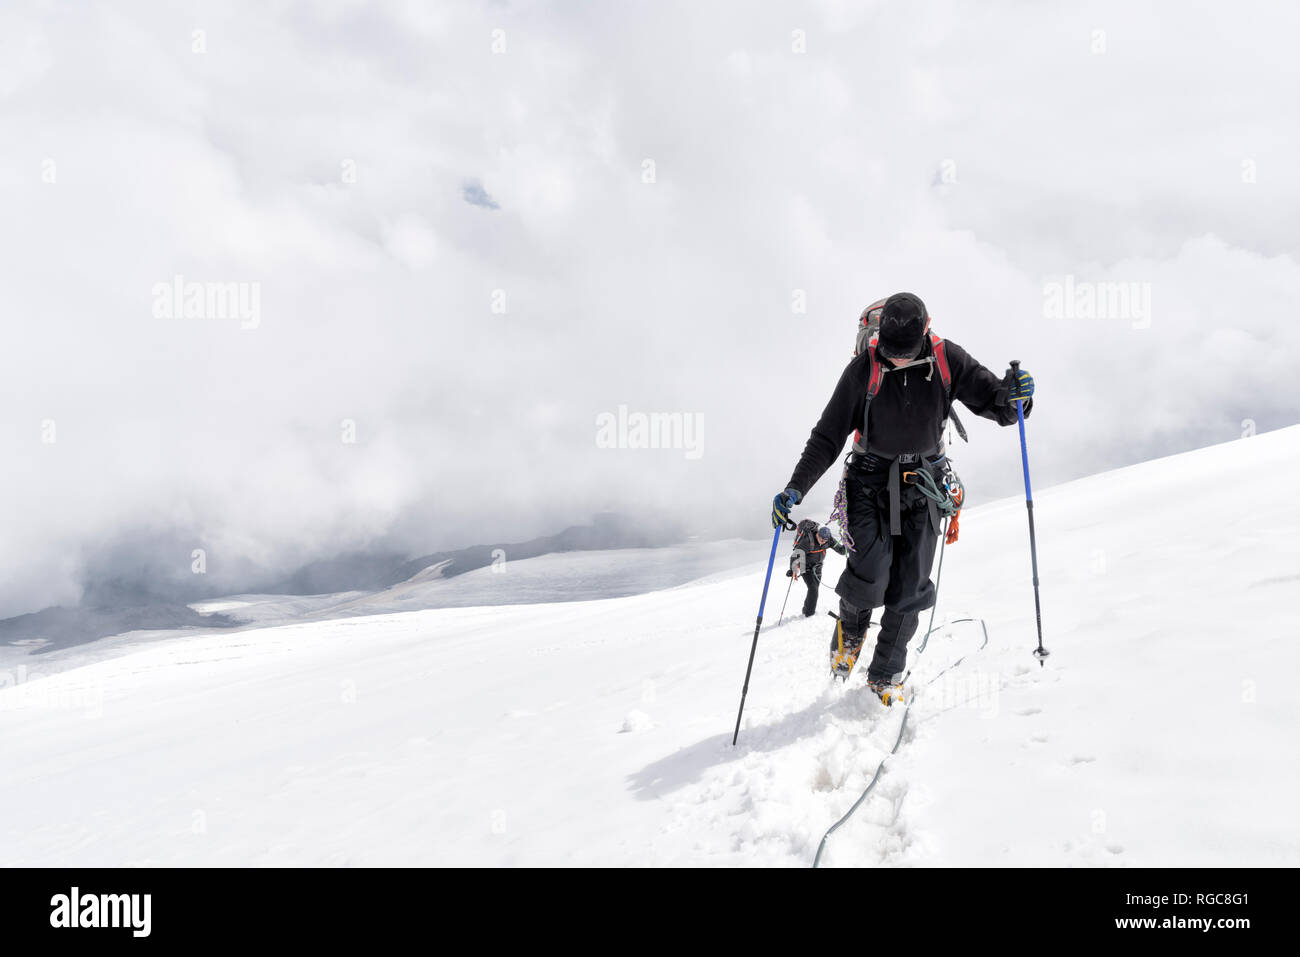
(805, 537)
(868, 326)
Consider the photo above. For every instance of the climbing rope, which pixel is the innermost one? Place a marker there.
(947, 497)
(948, 500)
(938, 577)
(908, 709)
(876, 777)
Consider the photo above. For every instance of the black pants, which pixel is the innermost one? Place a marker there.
(813, 579)
(884, 569)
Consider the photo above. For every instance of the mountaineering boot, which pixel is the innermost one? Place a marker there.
(846, 639)
(886, 690)
(844, 652)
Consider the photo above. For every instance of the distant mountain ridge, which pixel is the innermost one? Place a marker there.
(116, 606)
(606, 531)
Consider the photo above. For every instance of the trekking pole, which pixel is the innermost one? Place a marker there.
(787, 524)
(787, 599)
(1040, 652)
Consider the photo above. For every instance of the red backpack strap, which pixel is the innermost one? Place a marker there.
(941, 360)
(877, 372)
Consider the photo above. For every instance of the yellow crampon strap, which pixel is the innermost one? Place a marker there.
(841, 657)
(889, 694)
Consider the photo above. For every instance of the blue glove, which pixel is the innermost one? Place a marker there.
(1024, 384)
(781, 506)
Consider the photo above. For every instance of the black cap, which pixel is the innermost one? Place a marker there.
(902, 326)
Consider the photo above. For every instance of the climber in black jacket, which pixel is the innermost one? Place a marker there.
(893, 530)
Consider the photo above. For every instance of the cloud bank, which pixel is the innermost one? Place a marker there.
(478, 231)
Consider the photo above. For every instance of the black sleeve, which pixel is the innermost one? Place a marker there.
(838, 548)
(839, 419)
(979, 388)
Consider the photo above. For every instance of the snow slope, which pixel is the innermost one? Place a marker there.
(1160, 732)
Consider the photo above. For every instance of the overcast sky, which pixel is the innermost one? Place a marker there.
(475, 229)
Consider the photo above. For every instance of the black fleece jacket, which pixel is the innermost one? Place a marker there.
(907, 413)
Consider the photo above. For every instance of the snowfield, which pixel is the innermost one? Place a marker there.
(1161, 732)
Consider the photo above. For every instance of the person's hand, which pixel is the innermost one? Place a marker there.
(1019, 387)
(781, 506)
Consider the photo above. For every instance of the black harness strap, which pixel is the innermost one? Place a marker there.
(894, 487)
